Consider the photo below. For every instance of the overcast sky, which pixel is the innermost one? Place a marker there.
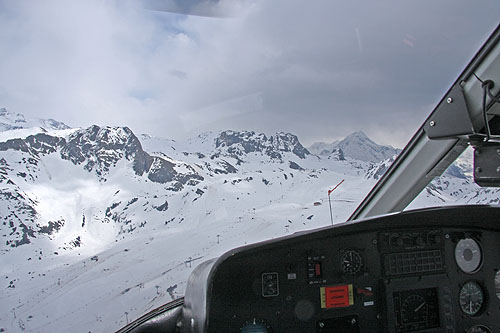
(318, 69)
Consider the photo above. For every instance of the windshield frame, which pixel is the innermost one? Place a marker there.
(424, 159)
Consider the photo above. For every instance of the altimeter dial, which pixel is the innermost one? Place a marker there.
(471, 298)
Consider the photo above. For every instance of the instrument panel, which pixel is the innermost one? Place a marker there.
(433, 270)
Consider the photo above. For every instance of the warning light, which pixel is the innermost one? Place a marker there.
(337, 296)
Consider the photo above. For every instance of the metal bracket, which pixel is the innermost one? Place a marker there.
(451, 118)
(487, 164)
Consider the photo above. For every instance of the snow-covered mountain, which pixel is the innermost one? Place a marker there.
(15, 121)
(99, 225)
(240, 143)
(356, 146)
(322, 148)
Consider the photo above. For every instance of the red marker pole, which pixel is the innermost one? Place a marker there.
(330, 202)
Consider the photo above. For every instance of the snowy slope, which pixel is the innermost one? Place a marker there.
(99, 226)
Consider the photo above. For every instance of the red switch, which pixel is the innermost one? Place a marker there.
(317, 269)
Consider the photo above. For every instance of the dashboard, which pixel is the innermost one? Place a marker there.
(432, 270)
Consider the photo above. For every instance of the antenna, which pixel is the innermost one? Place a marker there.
(330, 201)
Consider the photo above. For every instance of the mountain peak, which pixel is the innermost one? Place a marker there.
(243, 142)
(356, 145)
(11, 121)
(359, 146)
(358, 136)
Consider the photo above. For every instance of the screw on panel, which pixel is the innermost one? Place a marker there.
(447, 236)
(498, 169)
(321, 324)
(449, 100)
(479, 170)
(353, 321)
(498, 151)
(432, 123)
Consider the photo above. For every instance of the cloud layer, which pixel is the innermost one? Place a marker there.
(319, 69)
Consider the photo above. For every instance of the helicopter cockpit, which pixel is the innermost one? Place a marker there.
(428, 270)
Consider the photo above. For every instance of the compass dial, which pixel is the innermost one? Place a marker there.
(351, 262)
(471, 298)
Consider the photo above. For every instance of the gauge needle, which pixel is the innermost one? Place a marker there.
(419, 307)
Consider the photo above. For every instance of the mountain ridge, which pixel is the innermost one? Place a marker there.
(12, 121)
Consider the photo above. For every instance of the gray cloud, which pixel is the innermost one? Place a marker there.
(320, 69)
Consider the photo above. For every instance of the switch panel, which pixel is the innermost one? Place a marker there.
(270, 285)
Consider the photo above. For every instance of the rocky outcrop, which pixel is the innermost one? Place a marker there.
(237, 144)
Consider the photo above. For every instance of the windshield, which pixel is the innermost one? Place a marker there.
(456, 186)
(138, 139)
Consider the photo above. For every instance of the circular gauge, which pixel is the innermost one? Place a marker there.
(256, 326)
(468, 255)
(351, 262)
(414, 310)
(471, 298)
(479, 329)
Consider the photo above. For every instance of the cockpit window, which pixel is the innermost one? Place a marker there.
(141, 138)
(456, 186)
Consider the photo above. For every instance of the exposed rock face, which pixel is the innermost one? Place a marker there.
(377, 170)
(98, 150)
(337, 154)
(238, 144)
(295, 166)
(101, 148)
(35, 145)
